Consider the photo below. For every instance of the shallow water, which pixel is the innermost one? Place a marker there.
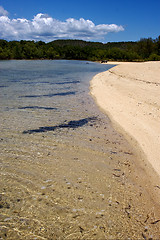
(47, 96)
(65, 172)
(58, 89)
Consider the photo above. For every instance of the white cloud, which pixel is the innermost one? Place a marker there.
(45, 28)
(3, 12)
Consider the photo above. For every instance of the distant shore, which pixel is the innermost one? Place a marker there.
(129, 94)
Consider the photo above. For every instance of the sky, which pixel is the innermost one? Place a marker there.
(90, 20)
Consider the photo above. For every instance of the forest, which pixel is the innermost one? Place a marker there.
(146, 49)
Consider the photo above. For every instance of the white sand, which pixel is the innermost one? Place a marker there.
(130, 94)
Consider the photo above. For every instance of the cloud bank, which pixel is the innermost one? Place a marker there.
(45, 28)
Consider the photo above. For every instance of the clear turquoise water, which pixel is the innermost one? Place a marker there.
(44, 93)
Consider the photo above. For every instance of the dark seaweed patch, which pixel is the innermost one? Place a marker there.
(15, 81)
(69, 82)
(48, 95)
(34, 83)
(37, 107)
(71, 124)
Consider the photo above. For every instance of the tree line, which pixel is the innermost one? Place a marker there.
(143, 50)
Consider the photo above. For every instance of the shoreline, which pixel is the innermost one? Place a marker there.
(129, 94)
(78, 178)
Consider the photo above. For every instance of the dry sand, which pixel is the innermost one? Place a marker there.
(129, 94)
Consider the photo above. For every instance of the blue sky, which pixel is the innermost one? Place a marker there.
(103, 20)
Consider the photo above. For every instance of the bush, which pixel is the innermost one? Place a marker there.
(154, 57)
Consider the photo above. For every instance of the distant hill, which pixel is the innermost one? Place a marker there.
(142, 50)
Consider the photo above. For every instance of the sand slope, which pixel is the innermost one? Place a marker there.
(130, 94)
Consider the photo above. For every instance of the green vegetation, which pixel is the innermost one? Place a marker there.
(143, 50)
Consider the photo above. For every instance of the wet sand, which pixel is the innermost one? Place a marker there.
(73, 180)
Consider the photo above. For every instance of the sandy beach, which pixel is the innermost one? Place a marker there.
(129, 94)
(72, 175)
